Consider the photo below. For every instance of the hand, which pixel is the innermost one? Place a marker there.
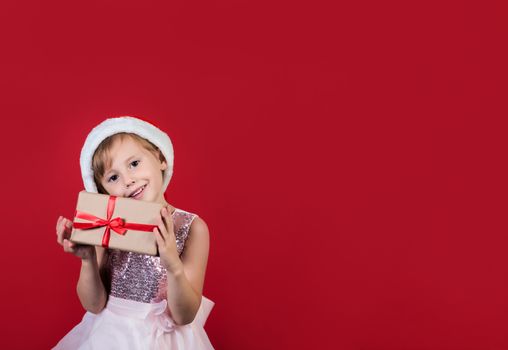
(166, 242)
(63, 232)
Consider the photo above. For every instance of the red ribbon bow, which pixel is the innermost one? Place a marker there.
(117, 224)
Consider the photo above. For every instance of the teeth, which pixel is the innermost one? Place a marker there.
(138, 191)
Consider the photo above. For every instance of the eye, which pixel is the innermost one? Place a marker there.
(135, 163)
(109, 180)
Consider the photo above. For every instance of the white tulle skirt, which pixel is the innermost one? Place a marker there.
(127, 324)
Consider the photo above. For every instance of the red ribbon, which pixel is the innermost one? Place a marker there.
(117, 224)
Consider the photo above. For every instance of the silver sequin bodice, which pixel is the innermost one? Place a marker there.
(141, 277)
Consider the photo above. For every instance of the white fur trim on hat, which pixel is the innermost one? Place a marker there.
(113, 126)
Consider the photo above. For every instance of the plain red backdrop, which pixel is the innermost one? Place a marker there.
(348, 157)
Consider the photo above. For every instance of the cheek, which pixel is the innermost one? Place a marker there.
(112, 189)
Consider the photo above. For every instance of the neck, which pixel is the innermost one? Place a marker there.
(163, 201)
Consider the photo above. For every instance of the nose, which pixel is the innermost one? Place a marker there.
(129, 183)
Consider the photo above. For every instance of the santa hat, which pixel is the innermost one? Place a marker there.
(128, 124)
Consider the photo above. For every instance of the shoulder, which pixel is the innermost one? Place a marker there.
(188, 224)
(198, 237)
(198, 226)
(193, 221)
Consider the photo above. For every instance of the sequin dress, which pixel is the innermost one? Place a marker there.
(136, 315)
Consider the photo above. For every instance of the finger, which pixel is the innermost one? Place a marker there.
(58, 222)
(59, 233)
(67, 223)
(167, 212)
(68, 246)
(67, 227)
(162, 229)
(168, 219)
(158, 238)
(59, 239)
(163, 215)
(62, 224)
(169, 215)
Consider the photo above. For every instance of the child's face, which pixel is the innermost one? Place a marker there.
(134, 167)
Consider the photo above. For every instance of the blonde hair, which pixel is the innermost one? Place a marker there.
(101, 159)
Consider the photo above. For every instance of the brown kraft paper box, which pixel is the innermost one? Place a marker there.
(127, 210)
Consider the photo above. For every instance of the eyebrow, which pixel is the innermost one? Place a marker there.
(126, 161)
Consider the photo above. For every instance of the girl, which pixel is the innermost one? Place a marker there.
(137, 301)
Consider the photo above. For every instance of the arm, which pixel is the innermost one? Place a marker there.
(90, 288)
(185, 284)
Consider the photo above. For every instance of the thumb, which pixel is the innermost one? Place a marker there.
(158, 237)
(67, 229)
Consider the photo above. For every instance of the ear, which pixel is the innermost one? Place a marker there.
(164, 165)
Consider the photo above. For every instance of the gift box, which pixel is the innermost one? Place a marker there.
(116, 222)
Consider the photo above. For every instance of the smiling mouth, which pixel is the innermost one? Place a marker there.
(138, 192)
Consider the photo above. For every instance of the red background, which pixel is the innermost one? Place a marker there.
(348, 157)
